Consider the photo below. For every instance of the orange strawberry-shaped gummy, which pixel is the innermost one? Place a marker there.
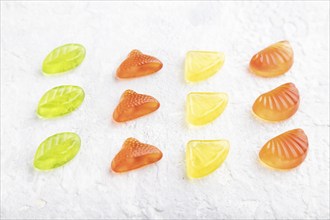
(272, 61)
(138, 64)
(133, 105)
(286, 151)
(278, 104)
(135, 154)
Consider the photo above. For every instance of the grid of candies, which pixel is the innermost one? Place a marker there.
(283, 152)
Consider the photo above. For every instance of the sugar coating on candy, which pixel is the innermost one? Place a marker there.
(63, 58)
(56, 150)
(135, 154)
(60, 100)
(285, 151)
(138, 64)
(278, 104)
(273, 61)
(133, 105)
(205, 156)
(205, 107)
(200, 65)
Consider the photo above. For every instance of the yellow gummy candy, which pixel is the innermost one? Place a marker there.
(60, 100)
(63, 58)
(205, 156)
(201, 65)
(204, 107)
(56, 150)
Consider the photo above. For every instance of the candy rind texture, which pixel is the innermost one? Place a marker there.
(285, 151)
(273, 61)
(138, 64)
(205, 107)
(63, 59)
(56, 151)
(60, 101)
(205, 156)
(200, 65)
(278, 104)
(133, 105)
(134, 155)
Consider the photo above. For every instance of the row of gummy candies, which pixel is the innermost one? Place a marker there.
(285, 151)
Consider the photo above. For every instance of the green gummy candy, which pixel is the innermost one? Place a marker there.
(56, 150)
(64, 58)
(60, 101)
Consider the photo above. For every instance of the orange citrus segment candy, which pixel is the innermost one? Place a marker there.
(278, 104)
(286, 151)
(138, 64)
(133, 105)
(272, 61)
(135, 154)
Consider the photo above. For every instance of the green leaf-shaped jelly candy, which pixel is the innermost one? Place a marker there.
(60, 101)
(63, 58)
(56, 150)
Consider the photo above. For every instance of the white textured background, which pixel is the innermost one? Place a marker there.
(84, 188)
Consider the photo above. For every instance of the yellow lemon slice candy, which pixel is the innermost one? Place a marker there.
(201, 65)
(205, 156)
(204, 107)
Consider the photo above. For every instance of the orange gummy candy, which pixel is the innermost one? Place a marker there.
(272, 61)
(138, 64)
(133, 105)
(135, 154)
(278, 104)
(286, 151)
